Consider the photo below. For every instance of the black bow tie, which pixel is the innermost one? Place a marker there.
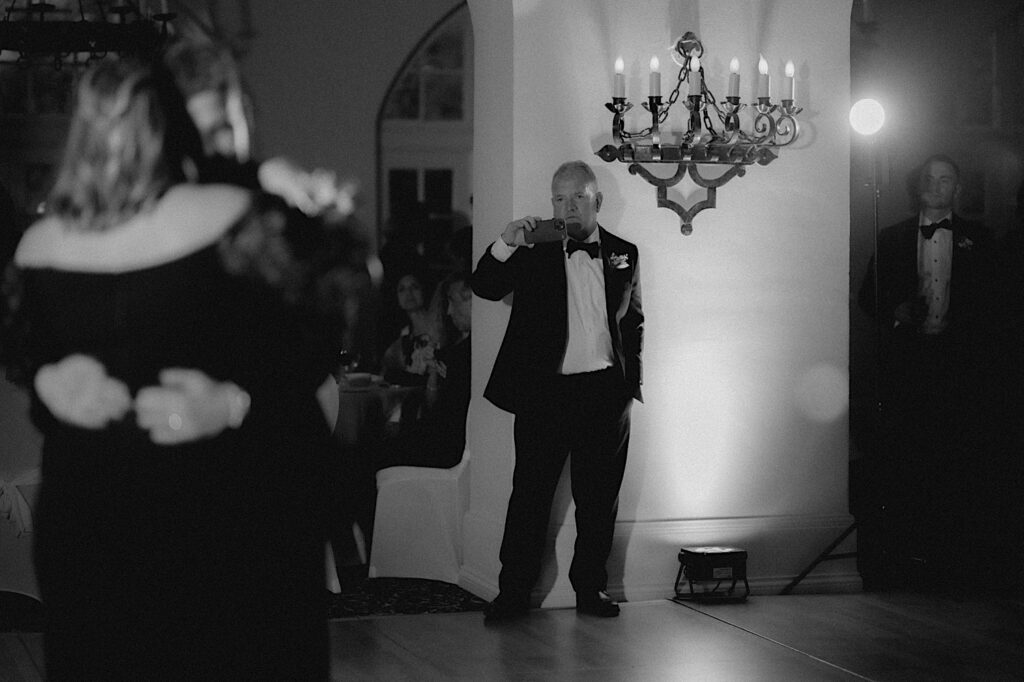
(592, 248)
(928, 230)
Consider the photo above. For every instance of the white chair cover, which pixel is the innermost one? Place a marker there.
(17, 497)
(417, 528)
(20, 461)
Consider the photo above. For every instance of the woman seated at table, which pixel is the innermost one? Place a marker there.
(435, 434)
(404, 361)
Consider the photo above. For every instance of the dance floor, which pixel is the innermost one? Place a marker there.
(873, 636)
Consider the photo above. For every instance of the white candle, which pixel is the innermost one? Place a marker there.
(790, 88)
(655, 78)
(619, 89)
(734, 78)
(763, 79)
(695, 78)
(163, 6)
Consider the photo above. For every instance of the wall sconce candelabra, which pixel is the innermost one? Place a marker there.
(124, 28)
(773, 126)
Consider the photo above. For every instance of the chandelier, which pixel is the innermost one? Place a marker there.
(43, 32)
(714, 134)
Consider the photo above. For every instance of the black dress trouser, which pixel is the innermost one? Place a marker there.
(585, 416)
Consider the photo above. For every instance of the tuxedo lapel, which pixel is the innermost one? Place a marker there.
(905, 258)
(553, 267)
(967, 267)
(613, 278)
(549, 294)
(610, 297)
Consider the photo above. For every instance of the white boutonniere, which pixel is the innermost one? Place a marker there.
(965, 243)
(619, 261)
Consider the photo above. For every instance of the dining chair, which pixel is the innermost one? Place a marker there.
(417, 530)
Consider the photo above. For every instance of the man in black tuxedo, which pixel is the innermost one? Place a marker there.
(933, 311)
(569, 368)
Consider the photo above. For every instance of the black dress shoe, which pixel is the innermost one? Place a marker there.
(506, 607)
(596, 604)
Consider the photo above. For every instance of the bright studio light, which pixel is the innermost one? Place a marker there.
(867, 116)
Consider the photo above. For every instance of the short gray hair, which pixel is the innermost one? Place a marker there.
(575, 168)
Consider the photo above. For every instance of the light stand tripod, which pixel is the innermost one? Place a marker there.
(867, 118)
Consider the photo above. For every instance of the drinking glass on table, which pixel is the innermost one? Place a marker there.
(348, 363)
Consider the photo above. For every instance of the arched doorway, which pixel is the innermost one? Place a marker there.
(425, 142)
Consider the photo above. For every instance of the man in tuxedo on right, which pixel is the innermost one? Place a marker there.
(933, 314)
(569, 368)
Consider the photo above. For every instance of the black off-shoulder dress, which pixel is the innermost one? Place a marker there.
(198, 561)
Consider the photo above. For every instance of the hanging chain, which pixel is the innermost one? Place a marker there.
(682, 77)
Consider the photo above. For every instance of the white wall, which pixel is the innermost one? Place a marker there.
(743, 434)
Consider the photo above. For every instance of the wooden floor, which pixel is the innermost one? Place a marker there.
(797, 637)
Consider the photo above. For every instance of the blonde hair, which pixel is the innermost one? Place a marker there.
(130, 134)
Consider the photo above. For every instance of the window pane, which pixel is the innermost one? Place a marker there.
(404, 102)
(437, 183)
(402, 189)
(443, 92)
(445, 52)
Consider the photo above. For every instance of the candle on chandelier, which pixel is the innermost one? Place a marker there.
(734, 78)
(790, 88)
(655, 78)
(763, 79)
(619, 89)
(696, 80)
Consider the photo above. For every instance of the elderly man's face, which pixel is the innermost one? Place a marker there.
(576, 201)
(209, 112)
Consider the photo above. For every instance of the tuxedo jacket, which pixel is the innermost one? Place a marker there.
(534, 345)
(971, 279)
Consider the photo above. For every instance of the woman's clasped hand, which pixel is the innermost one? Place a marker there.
(186, 405)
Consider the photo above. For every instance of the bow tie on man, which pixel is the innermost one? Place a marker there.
(928, 230)
(592, 248)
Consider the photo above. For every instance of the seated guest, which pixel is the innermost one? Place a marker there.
(405, 360)
(436, 437)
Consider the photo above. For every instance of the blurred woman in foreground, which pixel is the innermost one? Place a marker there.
(161, 556)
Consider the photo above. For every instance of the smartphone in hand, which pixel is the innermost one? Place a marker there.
(552, 230)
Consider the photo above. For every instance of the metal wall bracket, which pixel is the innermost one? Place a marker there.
(711, 185)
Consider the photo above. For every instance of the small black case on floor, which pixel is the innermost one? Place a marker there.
(705, 566)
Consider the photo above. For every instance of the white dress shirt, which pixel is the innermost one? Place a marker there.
(589, 346)
(934, 269)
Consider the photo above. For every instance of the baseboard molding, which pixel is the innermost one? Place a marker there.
(644, 561)
(483, 586)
